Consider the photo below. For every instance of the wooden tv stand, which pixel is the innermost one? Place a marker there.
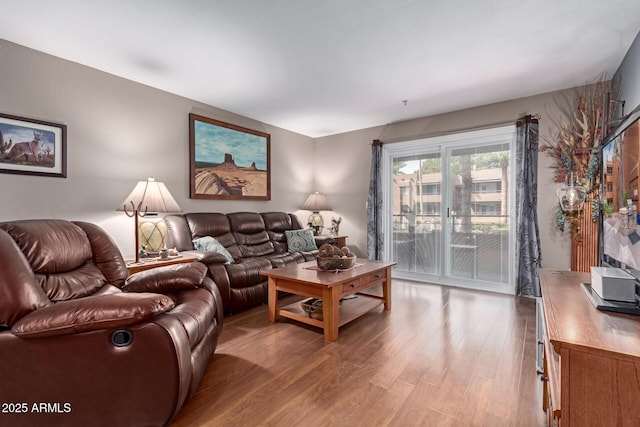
(591, 364)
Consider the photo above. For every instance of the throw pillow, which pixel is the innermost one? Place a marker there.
(300, 240)
(209, 244)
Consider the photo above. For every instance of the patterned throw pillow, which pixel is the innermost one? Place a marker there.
(209, 244)
(300, 240)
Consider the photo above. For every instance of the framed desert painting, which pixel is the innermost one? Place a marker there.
(32, 147)
(228, 162)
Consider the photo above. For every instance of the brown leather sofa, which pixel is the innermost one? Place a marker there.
(82, 344)
(256, 241)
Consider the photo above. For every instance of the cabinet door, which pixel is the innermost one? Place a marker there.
(553, 414)
(551, 387)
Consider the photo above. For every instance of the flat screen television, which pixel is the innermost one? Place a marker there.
(619, 189)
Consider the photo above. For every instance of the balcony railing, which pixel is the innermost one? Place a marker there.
(481, 252)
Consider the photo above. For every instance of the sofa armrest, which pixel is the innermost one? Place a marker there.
(91, 313)
(165, 279)
(105, 253)
(20, 293)
(207, 257)
(147, 381)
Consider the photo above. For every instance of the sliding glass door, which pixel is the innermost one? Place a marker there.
(450, 203)
(417, 213)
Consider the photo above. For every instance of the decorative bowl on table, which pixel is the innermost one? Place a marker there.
(335, 263)
(331, 257)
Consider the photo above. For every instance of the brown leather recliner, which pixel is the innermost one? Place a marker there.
(82, 344)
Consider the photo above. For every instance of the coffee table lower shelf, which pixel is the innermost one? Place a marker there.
(350, 309)
(365, 280)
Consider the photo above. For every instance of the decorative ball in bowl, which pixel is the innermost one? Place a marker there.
(336, 263)
(331, 257)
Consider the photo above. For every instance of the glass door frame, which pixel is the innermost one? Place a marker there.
(444, 145)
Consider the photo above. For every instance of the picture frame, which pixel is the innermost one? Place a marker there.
(32, 147)
(228, 162)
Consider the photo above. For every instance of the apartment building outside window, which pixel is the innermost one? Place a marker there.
(450, 204)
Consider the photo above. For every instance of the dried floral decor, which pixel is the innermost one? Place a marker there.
(576, 146)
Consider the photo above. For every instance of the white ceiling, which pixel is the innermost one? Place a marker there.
(331, 66)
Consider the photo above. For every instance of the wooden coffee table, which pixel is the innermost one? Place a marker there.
(330, 287)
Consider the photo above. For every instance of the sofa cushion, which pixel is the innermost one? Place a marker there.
(105, 253)
(76, 283)
(252, 250)
(247, 297)
(210, 244)
(60, 254)
(276, 223)
(300, 240)
(178, 233)
(215, 225)
(19, 292)
(281, 260)
(91, 313)
(170, 278)
(246, 272)
(50, 246)
(250, 233)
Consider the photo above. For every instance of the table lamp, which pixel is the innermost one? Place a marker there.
(315, 203)
(147, 197)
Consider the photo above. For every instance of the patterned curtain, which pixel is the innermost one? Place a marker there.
(374, 205)
(527, 235)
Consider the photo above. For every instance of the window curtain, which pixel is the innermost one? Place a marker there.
(374, 204)
(527, 234)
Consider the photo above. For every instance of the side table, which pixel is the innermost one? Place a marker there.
(341, 241)
(146, 264)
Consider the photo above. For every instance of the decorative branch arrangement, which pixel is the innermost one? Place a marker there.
(576, 145)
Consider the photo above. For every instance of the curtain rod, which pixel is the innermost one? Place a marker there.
(376, 142)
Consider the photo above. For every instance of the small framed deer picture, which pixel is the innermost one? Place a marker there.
(32, 147)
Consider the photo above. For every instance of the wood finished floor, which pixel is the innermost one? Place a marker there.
(441, 357)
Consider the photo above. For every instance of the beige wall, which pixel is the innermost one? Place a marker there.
(628, 75)
(342, 162)
(120, 132)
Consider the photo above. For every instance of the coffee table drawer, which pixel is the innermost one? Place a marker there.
(363, 282)
(372, 278)
(352, 286)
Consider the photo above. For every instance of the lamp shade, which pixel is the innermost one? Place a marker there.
(150, 196)
(316, 202)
